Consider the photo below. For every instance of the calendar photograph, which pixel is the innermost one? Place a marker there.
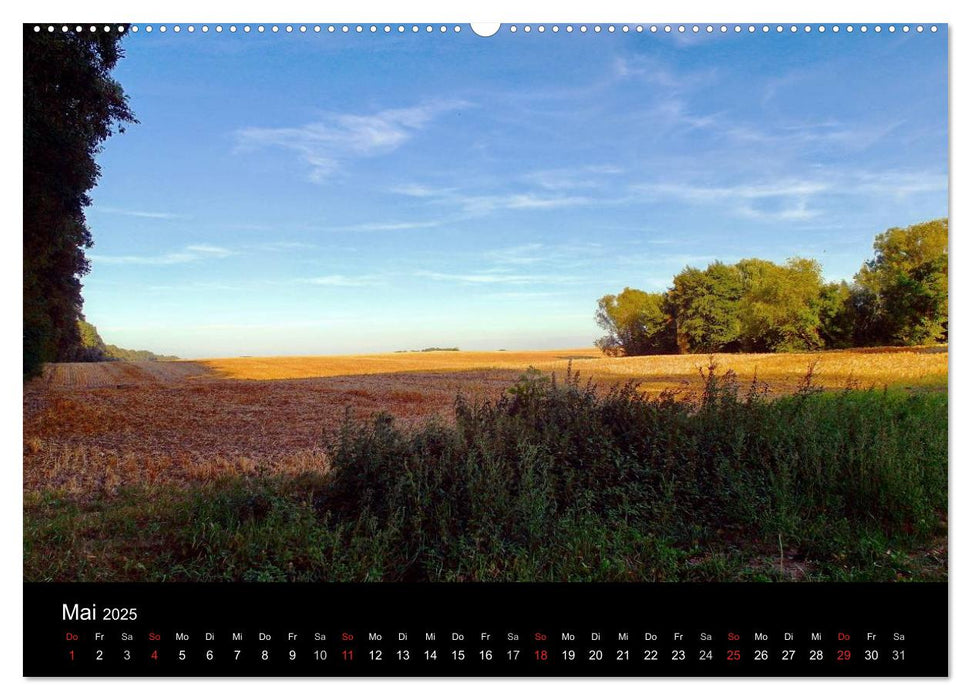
(444, 304)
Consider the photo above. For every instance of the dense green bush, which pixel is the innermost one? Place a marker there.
(567, 482)
(518, 478)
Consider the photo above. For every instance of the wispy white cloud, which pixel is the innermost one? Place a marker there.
(554, 256)
(799, 211)
(188, 254)
(137, 213)
(204, 249)
(773, 85)
(378, 226)
(326, 144)
(653, 261)
(493, 277)
(525, 201)
(650, 70)
(796, 199)
(784, 200)
(281, 246)
(900, 184)
(526, 254)
(421, 191)
(344, 280)
(675, 109)
(746, 191)
(197, 286)
(575, 178)
(516, 296)
(479, 204)
(675, 114)
(789, 199)
(856, 137)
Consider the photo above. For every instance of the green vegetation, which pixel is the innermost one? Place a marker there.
(94, 349)
(71, 105)
(637, 321)
(897, 298)
(705, 308)
(431, 350)
(555, 482)
(905, 285)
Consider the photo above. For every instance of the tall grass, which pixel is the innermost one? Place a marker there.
(565, 482)
(561, 481)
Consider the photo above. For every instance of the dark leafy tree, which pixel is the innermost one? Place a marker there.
(839, 317)
(779, 308)
(71, 106)
(706, 305)
(900, 297)
(637, 323)
(94, 349)
(906, 283)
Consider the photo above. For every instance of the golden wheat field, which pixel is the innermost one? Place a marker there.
(783, 371)
(96, 427)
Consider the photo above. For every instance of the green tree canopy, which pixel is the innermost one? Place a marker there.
(94, 349)
(838, 317)
(779, 308)
(706, 308)
(907, 282)
(898, 297)
(71, 105)
(636, 323)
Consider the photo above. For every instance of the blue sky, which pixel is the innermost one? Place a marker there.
(337, 193)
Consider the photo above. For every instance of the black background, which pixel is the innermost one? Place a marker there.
(917, 610)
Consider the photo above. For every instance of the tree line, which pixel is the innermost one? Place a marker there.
(899, 297)
(71, 106)
(94, 349)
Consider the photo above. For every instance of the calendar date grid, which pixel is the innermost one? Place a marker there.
(647, 649)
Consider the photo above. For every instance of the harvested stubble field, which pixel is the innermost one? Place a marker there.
(99, 426)
(923, 366)
(109, 448)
